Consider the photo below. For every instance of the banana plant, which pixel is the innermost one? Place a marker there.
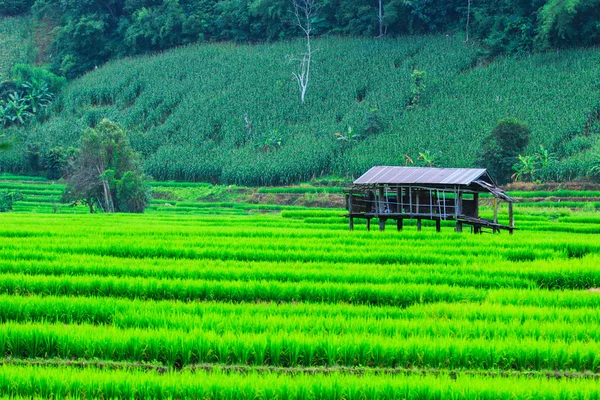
(37, 95)
(350, 136)
(595, 168)
(525, 169)
(427, 159)
(16, 109)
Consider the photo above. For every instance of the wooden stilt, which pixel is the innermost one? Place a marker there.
(511, 217)
(419, 224)
(368, 224)
(349, 202)
(495, 210)
(399, 223)
(438, 225)
(382, 224)
(459, 226)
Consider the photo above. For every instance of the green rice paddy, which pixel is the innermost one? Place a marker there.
(248, 301)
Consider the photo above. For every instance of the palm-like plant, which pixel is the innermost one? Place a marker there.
(273, 141)
(525, 169)
(350, 136)
(16, 109)
(37, 95)
(594, 170)
(427, 159)
(544, 157)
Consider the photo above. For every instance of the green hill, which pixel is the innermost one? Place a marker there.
(184, 109)
(16, 45)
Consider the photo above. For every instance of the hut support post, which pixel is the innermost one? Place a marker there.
(438, 225)
(511, 217)
(430, 203)
(459, 226)
(445, 211)
(418, 208)
(399, 200)
(349, 202)
(368, 224)
(410, 207)
(476, 201)
(382, 224)
(381, 200)
(455, 202)
(399, 223)
(419, 224)
(495, 210)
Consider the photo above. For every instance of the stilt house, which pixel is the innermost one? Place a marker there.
(438, 194)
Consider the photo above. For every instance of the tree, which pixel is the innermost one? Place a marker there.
(501, 149)
(468, 20)
(305, 11)
(107, 172)
(418, 88)
(380, 18)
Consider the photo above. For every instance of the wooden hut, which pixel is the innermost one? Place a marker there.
(438, 194)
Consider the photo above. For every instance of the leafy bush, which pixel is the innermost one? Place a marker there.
(133, 192)
(500, 150)
(20, 106)
(107, 172)
(7, 198)
(15, 7)
(30, 74)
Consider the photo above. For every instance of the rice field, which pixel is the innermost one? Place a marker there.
(242, 301)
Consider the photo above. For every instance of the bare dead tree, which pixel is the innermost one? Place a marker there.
(248, 123)
(304, 13)
(468, 20)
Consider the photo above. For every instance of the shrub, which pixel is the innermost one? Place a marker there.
(107, 172)
(501, 149)
(7, 198)
(15, 7)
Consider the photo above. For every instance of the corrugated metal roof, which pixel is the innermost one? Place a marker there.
(421, 175)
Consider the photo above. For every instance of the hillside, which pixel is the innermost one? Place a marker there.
(16, 45)
(184, 109)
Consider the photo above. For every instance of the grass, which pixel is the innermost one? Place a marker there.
(233, 300)
(184, 109)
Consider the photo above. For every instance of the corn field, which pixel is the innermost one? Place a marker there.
(16, 45)
(232, 114)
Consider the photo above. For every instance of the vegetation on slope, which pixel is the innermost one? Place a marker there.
(231, 114)
(15, 44)
(88, 33)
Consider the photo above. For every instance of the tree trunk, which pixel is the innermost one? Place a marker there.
(468, 20)
(107, 196)
(380, 18)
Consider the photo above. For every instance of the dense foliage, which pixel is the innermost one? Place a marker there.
(93, 31)
(501, 148)
(16, 44)
(106, 172)
(231, 114)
